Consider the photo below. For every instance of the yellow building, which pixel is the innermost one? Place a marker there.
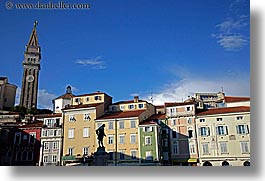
(223, 136)
(79, 125)
(121, 129)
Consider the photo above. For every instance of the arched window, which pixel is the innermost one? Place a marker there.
(24, 155)
(225, 163)
(246, 163)
(207, 163)
(18, 156)
(30, 155)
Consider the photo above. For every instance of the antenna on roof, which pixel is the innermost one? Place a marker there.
(151, 97)
(222, 89)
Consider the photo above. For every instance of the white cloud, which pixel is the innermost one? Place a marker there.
(94, 63)
(180, 90)
(231, 42)
(230, 34)
(44, 98)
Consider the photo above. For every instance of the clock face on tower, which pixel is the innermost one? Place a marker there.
(30, 78)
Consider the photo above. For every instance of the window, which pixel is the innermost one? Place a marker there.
(173, 122)
(219, 119)
(55, 145)
(174, 134)
(165, 155)
(110, 124)
(132, 138)
(77, 100)
(97, 98)
(172, 111)
(87, 117)
(49, 122)
(165, 142)
(131, 106)
(205, 148)
(121, 139)
(242, 129)
(57, 122)
(111, 155)
(239, 118)
(85, 132)
(72, 118)
(202, 120)
(54, 158)
(25, 137)
(70, 151)
(121, 124)
(44, 133)
(190, 133)
(122, 107)
(55, 132)
(87, 99)
(24, 155)
(148, 140)
(204, 131)
(32, 137)
(222, 130)
(122, 154)
(148, 155)
(110, 139)
(17, 138)
(46, 145)
(244, 147)
(189, 120)
(133, 124)
(71, 133)
(223, 147)
(99, 124)
(188, 108)
(147, 129)
(175, 147)
(113, 108)
(141, 106)
(45, 159)
(85, 150)
(133, 154)
(192, 148)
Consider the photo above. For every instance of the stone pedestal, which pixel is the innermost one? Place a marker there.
(101, 157)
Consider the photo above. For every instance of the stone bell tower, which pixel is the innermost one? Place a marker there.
(31, 68)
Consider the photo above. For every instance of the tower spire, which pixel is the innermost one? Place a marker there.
(33, 39)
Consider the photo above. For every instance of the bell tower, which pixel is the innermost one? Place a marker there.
(31, 68)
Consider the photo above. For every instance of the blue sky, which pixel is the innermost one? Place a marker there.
(168, 48)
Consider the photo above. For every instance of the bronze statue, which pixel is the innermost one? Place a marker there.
(101, 134)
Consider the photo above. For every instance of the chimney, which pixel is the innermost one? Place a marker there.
(136, 98)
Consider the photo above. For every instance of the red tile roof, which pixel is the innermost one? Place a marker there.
(160, 106)
(32, 125)
(124, 114)
(127, 102)
(236, 99)
(49, 115)
(171, 104)
(224, 110)
(65, 96)
(157, 116)
(82, 106)
(91, 94)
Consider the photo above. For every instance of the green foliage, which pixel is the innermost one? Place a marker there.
(23, 111)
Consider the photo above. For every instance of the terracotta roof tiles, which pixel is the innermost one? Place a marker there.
(224, 110)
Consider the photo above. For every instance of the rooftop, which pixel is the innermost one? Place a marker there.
(236, 99)
(224, 110)
(124, 114)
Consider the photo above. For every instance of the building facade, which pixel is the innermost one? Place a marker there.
(7, 94)
(51, 140)
(223, 136)
(183, 140)
(79, 125)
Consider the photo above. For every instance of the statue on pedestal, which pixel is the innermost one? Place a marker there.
(100, 132)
